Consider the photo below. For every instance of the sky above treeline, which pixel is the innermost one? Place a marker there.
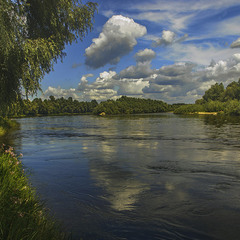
(170, 50)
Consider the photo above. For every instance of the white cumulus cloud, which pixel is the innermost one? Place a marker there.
(168, 38)
(132, 86)
(83, 82)
(143, 67)
(118, 37)
(145, 55)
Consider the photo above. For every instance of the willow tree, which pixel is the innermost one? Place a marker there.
(33, 35)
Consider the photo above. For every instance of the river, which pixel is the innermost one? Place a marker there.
(156, 176)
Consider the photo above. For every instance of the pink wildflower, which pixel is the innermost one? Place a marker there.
(12, 154)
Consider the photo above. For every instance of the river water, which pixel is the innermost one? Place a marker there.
(158, 176)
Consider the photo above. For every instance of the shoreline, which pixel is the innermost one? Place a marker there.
(22, 214)
(207, 113)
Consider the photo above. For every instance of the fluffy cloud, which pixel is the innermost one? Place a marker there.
(225, 71)
(104, 81)
(141, 70)
(145, 55)
(236, 44)
(83, 82)
(132, 86)
(143, 67)
(168, 38)
(177, 69)
(117, 39)
(170, 82)
(101, 89)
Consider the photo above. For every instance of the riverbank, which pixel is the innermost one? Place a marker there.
(22, 215)
(6, 125)
(206, 113)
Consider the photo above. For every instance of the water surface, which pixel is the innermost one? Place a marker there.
(138, 177)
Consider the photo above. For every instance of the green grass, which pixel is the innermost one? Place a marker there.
(6, 125)
(22, 215)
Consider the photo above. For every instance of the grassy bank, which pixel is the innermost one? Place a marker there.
(6, 124)
(22, 215)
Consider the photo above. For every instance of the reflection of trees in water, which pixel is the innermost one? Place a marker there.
(223, 129)
(221, 120)
(216, 120)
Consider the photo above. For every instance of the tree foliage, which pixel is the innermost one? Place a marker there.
(129, 105)
(50, 106)
(218, 93)
(33, 35)
(214, 93)
(232, 91)
(189, 108)
(216, 99)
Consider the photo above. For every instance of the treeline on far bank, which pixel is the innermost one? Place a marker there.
(51, 106)
(216, 99)
(130, 105)
(62, 106)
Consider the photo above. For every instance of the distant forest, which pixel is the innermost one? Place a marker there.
(216, 99)
(129, 105)
(62, 106)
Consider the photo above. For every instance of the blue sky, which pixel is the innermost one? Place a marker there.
(171, 50)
